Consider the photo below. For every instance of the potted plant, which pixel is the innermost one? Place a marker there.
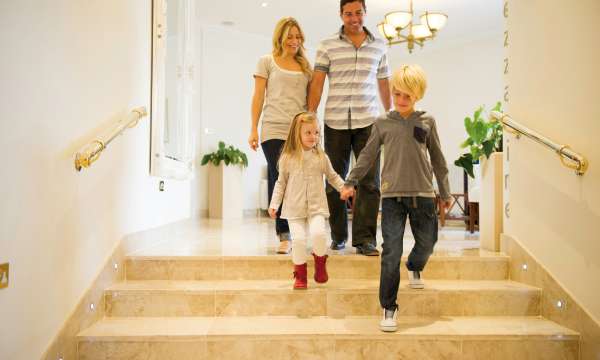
(484, 143)
(225, 196)
(485, 138)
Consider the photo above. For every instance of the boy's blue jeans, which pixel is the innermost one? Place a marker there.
(424, 226)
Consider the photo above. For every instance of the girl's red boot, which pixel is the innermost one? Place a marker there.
(300, 281)
(321, 268)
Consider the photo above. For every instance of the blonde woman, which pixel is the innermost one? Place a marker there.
(300, 186)
(281, 84)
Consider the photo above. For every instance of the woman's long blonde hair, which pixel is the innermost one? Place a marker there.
(291, 154)
(280, 34)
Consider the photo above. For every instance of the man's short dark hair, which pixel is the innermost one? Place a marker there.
(344, 2)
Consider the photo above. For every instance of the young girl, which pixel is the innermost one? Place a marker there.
(300, 186)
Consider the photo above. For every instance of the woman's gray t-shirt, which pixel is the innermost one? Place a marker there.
(285, 97)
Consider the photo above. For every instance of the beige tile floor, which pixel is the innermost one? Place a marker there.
(256, 236)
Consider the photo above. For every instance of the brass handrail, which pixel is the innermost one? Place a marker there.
(568, 157)
(91, 152)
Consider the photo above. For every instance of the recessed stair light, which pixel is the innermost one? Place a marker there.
(524, 267)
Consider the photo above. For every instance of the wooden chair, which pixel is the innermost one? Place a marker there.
(469, 211)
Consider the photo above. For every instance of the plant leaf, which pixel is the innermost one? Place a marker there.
(466, 143)
(498, 107)
(205, 160)
(477, 113)
(466, 162)
(488, 147)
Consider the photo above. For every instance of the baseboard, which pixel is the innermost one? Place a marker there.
(64, 344)
(526, 269)
(247, 213)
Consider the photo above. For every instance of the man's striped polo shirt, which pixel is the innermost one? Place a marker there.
(353, 99)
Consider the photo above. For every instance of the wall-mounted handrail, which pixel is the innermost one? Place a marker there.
(91, 152)
(568, 157)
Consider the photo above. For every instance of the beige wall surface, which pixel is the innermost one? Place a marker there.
(68, 70)
(553, 80)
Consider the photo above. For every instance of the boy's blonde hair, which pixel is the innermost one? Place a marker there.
(410, 79)
(280, 34)
(292, 148)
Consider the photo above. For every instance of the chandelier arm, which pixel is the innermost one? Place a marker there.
(403, 37)
(397, 41)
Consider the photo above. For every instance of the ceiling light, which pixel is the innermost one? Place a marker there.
(396, 22)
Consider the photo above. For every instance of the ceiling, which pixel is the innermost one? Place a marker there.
(319, 18)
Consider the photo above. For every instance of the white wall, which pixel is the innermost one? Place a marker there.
(553, 78)
(70, 68)
(461, 76)
(228, 60)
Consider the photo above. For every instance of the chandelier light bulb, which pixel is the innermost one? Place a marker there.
(421, 31)
(399, 19)
(387, 31)
(434, 21)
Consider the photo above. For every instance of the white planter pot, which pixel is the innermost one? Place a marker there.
(225, 197)
(490, 203)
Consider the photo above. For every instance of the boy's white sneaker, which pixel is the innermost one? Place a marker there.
(414, 280)
(388, 323)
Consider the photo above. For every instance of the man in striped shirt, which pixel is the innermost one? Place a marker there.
(356, 64)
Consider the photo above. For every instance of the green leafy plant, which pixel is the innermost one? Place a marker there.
(228, 154)
(485, 137)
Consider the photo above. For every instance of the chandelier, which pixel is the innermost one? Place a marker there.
(395, 23)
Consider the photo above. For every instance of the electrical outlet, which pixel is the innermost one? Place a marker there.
(3, 276)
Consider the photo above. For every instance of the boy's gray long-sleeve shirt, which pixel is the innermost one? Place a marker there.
(412, 155)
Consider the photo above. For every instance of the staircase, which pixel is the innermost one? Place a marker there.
(243, 307)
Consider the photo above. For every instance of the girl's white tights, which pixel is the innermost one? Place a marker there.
(316, 228)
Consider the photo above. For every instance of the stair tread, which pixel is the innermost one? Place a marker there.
(445, 256)
(165, 329)
(202, 286)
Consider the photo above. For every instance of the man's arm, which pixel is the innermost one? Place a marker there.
(316, 90)
(384, 93)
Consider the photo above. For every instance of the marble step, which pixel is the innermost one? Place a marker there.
(326, 338)
(442, 267)
(337, 298)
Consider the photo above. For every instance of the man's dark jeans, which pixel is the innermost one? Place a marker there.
(338, 144)
(424, 226)
(272, 149)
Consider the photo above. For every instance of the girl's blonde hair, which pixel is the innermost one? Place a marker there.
(292, 151)
(280, 34)
(410, 79)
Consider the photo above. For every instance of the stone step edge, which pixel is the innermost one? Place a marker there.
(279, 258)
(207, 328)
(275, 286)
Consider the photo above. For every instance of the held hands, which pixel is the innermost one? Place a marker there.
(273, 213)
(347, 192)
(446, 203)
(253, 140)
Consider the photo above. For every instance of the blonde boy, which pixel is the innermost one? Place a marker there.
(412, 155)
